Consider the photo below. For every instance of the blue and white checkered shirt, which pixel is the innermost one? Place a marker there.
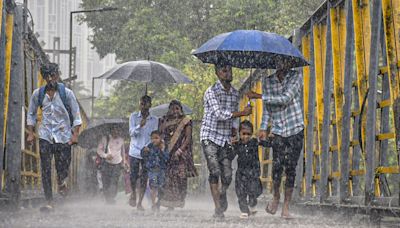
(281, 104)
(217, 121)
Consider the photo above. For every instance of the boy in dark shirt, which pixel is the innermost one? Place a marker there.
(155, 156)
(247, 182)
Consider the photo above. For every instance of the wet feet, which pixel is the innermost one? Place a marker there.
(272, 207)
(253, 211)
(132, 200)
(244, 216)
(287, 216)
(140, 207)
(47, 208)
(63, 189)
(285, 212)
(223, 201)
(155, 208)
(218, 214)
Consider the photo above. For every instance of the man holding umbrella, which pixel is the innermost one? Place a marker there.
(59, 128)
(264, 50)
(220, 109)
(141, 124)
(281, 99)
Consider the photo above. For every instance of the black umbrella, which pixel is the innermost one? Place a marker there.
(98, 128)
(146, 71)
(161, 110)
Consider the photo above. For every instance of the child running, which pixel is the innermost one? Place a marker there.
(155, 156)
(247, 183)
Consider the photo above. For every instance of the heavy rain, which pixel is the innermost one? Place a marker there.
(199, 113)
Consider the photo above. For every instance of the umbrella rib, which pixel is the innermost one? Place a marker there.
(145, 71)
(171, 72)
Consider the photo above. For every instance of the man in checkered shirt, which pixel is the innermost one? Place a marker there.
(282, 107)
(221, 103)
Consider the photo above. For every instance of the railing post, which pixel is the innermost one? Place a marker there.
(348, 80)
(371, 111)
(323, 184)
(2, 72)
(310, 116)
(385, 114)
(14, 125)
(297, 38)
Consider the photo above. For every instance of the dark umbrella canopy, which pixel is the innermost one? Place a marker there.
(250, 49)
(98, 128)
(145, 71)
(161, 110)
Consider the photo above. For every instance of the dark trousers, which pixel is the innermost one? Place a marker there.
(219, 163)
(244, 203)
(62, 157)
(138, 171)
(247, 187)
(286, 153)
(110, 175)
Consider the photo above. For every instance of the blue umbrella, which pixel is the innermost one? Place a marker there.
(250, 49)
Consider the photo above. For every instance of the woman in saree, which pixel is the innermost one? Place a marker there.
(176, 130)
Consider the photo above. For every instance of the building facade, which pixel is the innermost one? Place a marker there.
(50, 22)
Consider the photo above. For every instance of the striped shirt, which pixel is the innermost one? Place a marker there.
(281, 104)
(217, 120)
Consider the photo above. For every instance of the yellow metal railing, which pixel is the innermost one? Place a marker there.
(348, 18)
(30, 172)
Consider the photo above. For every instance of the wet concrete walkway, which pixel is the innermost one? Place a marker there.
(93, 212)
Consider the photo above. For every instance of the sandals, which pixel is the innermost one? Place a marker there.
(63, 189)
(253, 211)
(46, 208)
(244, 216)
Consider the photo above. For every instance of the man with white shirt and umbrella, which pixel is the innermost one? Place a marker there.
(141, 124)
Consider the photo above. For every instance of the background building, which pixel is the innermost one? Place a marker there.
(51, 21)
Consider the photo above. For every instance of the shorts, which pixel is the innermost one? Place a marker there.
(156, 179)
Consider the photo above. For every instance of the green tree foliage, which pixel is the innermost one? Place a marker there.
(168, 31)
(143, 29)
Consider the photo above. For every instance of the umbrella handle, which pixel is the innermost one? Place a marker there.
(145, 92)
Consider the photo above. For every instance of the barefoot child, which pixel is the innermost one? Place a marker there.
(155, 156)
(247, 183)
